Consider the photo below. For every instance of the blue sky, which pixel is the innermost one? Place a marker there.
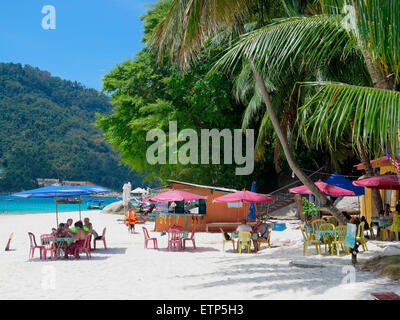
(91, 36)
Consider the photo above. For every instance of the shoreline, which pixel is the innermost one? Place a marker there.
(46, 212)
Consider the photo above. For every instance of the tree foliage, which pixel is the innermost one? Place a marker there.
(46, 131)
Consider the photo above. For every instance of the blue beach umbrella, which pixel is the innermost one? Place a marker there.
(56, 191)
(252, 208)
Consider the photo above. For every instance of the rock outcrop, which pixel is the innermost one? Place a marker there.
(116, 208)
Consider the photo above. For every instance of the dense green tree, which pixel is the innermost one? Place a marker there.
(46, 131)
(147, 95)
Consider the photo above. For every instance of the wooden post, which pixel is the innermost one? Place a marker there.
(9, 240)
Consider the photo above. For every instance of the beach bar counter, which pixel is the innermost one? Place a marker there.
(205, 215)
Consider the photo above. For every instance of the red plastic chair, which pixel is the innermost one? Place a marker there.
(174, 238)
(190, 239)
(85, 247)
(103, 238)
(34, 246)
(49, 244)
(147, 239)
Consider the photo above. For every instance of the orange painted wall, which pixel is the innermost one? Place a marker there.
(215, 212)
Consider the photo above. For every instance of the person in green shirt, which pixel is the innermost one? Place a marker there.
(88, 227)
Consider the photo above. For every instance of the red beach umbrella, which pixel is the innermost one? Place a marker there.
(384, 182)
(326, 188)
(174, 195)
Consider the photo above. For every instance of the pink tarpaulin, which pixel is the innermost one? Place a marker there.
(384, 182)
(174, 195)
(328, 189)
(244, 196)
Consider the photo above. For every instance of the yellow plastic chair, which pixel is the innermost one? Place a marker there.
(327, 239)
(268, 240)
(244, 239)
(315, 225)
(333, 221)
(308, 239)
(395, 227)
(360, 236)
(382, 233)
(340, 239)
(226, 240)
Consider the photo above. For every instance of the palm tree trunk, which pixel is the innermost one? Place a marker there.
(323, 200)
(369, 171)
(380, 82)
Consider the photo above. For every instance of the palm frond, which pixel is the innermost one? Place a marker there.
(376, 115)
(379, 28)
(310, 40)
(189, 23)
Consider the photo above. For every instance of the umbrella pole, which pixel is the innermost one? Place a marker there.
(56, 213)
(80, 199)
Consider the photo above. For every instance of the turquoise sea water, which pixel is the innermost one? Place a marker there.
(20, 205)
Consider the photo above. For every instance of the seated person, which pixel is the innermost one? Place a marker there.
(61, 231)
(172, 207)
(244, 227)
(262, 229)
(79, 238)
(387, 210)
(88, 227)
(150, 209)
(347, 216)
(68, 224)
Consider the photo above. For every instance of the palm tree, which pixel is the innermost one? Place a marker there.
(314, 40)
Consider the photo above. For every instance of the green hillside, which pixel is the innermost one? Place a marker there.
(46, 131)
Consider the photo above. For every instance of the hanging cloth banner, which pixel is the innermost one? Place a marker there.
(351, 235)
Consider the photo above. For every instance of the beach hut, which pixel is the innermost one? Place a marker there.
(382, 166)
(208, 216)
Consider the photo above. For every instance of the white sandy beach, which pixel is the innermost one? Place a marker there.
(128, 271)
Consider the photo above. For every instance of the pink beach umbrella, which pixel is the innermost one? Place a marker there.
(326, 188)
(244, 196)
(384, 182)
(174, 195)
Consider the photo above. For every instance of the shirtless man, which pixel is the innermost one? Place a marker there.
(79, 238)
